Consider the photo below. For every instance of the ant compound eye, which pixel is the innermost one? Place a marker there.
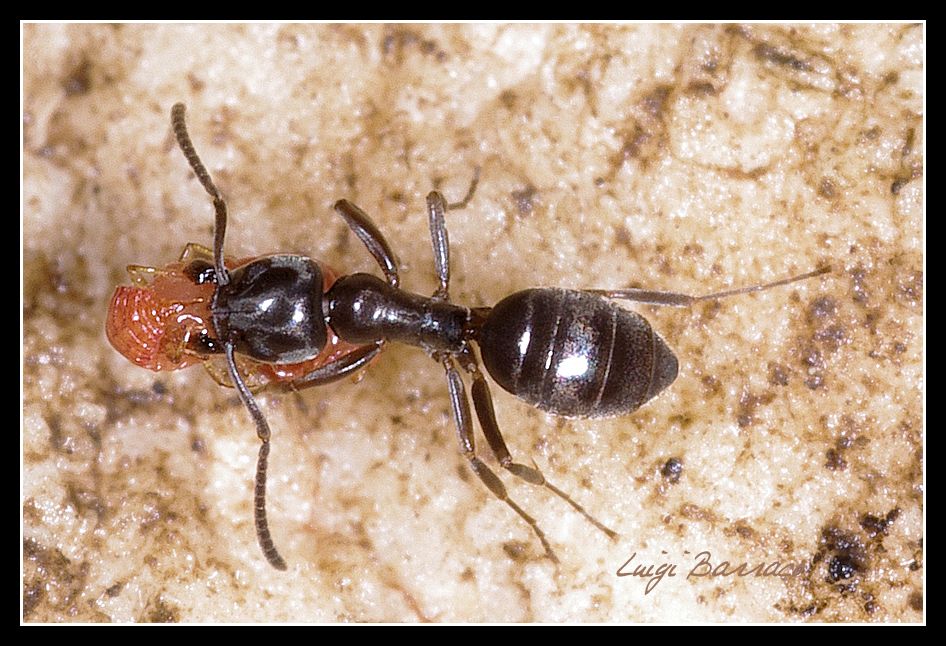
(201, 272)
(203, 344)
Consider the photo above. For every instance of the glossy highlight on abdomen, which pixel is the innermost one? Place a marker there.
(574, 354)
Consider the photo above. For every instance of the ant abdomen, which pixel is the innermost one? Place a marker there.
(574, 354)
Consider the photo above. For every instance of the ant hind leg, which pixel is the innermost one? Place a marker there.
(677, 299)
(483, 403)
(464, 422)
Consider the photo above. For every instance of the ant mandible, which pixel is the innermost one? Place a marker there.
(295, 324)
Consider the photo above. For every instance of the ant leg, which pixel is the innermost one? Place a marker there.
(483, 403)
(464, 422)
(220, 207)
(369, 234)
(263, 536)
(336, 370)
(437, 206)
(682, 300)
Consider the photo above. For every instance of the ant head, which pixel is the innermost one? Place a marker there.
(271, 310)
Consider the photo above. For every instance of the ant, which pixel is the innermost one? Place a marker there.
(291, 322)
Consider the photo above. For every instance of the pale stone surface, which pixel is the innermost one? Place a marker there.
(688, 158)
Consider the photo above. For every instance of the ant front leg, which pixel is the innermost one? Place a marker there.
(464, 422)
(483, 403)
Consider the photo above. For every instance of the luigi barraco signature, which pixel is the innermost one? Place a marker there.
(704, 566)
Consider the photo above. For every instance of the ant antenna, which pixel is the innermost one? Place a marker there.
(263, 536)
(223, 278)
(220, 207)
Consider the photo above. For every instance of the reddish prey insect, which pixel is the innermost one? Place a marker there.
(290, 322)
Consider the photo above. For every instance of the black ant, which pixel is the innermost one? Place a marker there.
(294, 324)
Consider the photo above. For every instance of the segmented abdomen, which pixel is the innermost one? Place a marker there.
(574, 354)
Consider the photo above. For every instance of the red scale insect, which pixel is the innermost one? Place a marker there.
(152, 325)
